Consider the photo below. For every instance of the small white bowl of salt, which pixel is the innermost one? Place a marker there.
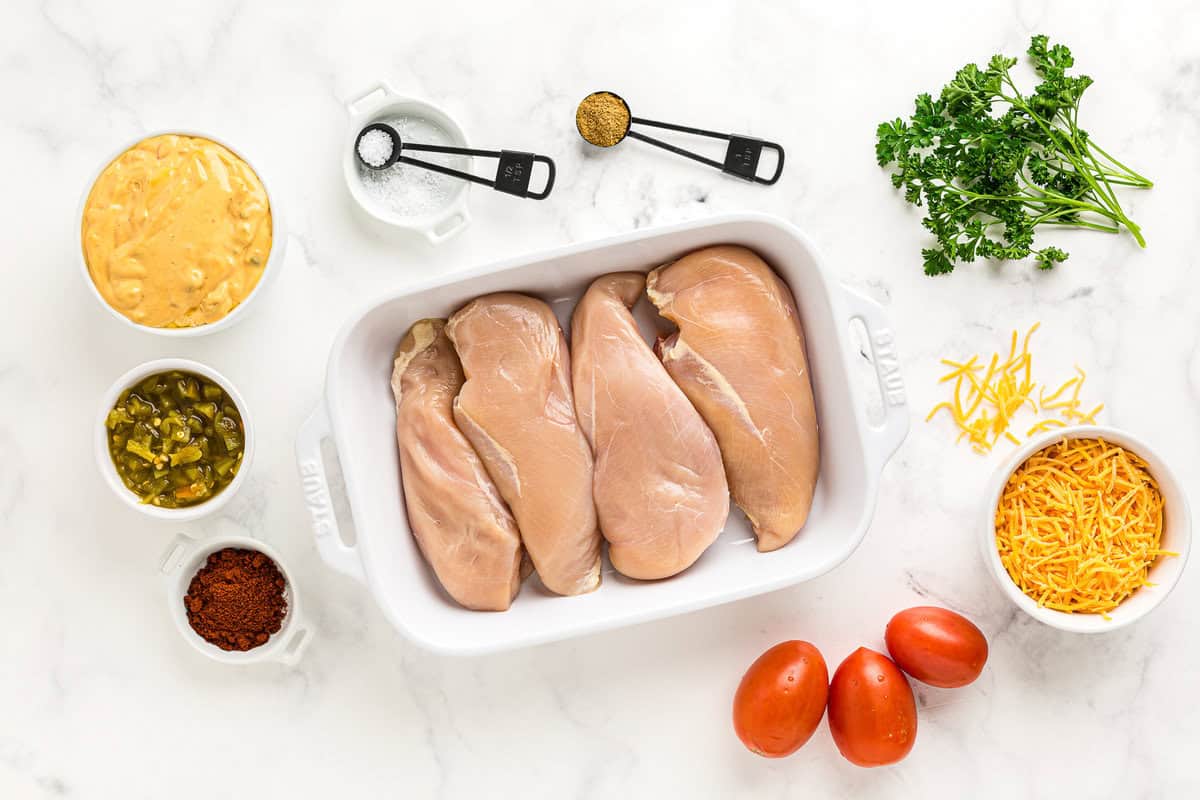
(403, 195)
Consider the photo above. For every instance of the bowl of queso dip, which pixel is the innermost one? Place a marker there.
(178, 235)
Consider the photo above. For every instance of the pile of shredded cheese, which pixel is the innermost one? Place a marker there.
(985, 400)
(1079, 524)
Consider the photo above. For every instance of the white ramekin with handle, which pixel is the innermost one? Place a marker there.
(242, 309)
(377, 104)
(109, 470)
(187, 555)
(1164, 573)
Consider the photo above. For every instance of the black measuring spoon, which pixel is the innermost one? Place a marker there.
(513, 173)
(741, 156)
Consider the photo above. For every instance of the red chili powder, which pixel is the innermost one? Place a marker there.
(236, 600)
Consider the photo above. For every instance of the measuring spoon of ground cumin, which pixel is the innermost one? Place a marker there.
(603, 119)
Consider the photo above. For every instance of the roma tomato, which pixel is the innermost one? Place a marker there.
(872, 713)
(937, 646)
(781, 699)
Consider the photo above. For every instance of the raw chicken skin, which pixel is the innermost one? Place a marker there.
(517, 409)
(456, 514)
(739, 357)
(660, 488)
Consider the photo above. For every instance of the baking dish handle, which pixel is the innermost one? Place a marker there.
(885, 437)
(315, 485)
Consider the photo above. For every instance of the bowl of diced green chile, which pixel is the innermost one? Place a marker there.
(173, 439)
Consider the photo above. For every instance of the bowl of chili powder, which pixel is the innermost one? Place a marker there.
(233, 600)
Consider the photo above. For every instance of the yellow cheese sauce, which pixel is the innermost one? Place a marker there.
(176, 231)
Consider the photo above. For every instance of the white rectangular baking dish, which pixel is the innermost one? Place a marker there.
(358, 414)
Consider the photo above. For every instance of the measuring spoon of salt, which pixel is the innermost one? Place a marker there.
(379, 147)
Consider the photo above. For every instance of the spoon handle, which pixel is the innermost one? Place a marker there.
(741, 156)
(513, 172)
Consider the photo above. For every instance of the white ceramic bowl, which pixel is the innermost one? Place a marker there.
(1165, 573)
(377, 104)
(186, 556)
(109, 470)
(242, 309)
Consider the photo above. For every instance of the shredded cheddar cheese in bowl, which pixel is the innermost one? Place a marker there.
(1079, 524)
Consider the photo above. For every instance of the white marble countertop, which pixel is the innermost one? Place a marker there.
(99, 696)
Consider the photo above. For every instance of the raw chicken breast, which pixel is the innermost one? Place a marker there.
(456, 514)
(516, 408)
(739, 357)
(660, 488)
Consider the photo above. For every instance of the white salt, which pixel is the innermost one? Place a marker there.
(375, 147)
(408, 190)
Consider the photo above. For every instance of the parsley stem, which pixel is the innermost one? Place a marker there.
(1079, 223)
(1056, 134)
(1052, 198)
(1140, 180)
(1115, 178)
(1075, 140)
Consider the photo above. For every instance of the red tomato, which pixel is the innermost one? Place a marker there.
(937, 646)
(781, 699)
(872, 713)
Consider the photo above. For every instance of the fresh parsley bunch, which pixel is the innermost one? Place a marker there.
(991, 164)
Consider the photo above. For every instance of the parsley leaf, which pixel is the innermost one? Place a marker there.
(990, 164)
